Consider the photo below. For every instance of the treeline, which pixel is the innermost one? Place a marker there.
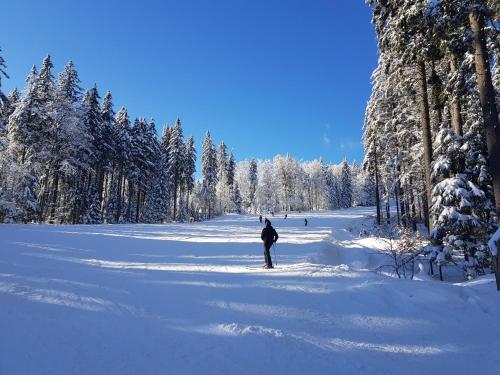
(67, 157)
(431, 135)
(287, 184)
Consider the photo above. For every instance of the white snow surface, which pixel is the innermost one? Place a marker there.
(494, 241)
(193, 299)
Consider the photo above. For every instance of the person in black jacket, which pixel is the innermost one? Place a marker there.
(269, 236)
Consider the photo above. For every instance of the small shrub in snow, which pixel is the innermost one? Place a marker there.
(403, 247)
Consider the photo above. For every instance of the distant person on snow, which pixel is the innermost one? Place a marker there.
(266, 220)
(286, 215)
(305, 222)
(260, 218)
(269, 236)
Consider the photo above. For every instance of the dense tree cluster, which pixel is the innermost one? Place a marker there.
(287, 184)
(67, 157)
(431, 135)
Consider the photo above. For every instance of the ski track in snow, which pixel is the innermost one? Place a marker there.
(193, 299)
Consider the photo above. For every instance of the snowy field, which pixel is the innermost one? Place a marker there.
(192, 299)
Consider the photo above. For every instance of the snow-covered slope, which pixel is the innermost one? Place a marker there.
(192, 299)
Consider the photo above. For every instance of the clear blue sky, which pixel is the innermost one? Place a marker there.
(267, 76)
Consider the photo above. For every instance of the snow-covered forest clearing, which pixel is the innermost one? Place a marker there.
(130, 247)
(192, 298)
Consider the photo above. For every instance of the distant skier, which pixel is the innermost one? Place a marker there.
(266, 220)
(286, 215)
(269, 236)
(260, 218)
(305, 222)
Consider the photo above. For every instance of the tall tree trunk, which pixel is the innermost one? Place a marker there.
(119, 196)
(377, 193)
(138, 203)
(388, 209)
(487, 99)
(402, 204)
(426, 134)
(129, 200)
(54, 197)
(396, 193)
(407, 208)
(435, 88)
(175, 202)
(413, 211)
(456, 115)
(43, 196)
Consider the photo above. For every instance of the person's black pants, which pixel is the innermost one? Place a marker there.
(267, 255)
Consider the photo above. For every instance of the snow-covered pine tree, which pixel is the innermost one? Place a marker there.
(28, 131)
(69, 144)
(122, 156)
(92, 213)
(209, 174)
(22, 129)
(8, 107)
(155, 202)
(265, 199)
(164, 145)
(456, 224)
(189, 171)
(93, 123)
(330, 189)
(345, 185)
(235, 198)
(404, 39)
(253, 179)
(141, 166)
(480, 12)
(175, 164)
(222, 188)
(108, 149)
(231, 169)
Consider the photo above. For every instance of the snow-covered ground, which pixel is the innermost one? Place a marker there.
(192, 299)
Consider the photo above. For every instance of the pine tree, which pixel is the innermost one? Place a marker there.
(155, 204)
(209, 173)
(231, 168)
(122, 157)
(222, 188)
(235, 198)
(346, 186)
(189, 169)
(164, 146)
(69, 145)
(30, 130)
(455, 198)
(92, 214)
(253, 178)
(108, 138)
(175, 163)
